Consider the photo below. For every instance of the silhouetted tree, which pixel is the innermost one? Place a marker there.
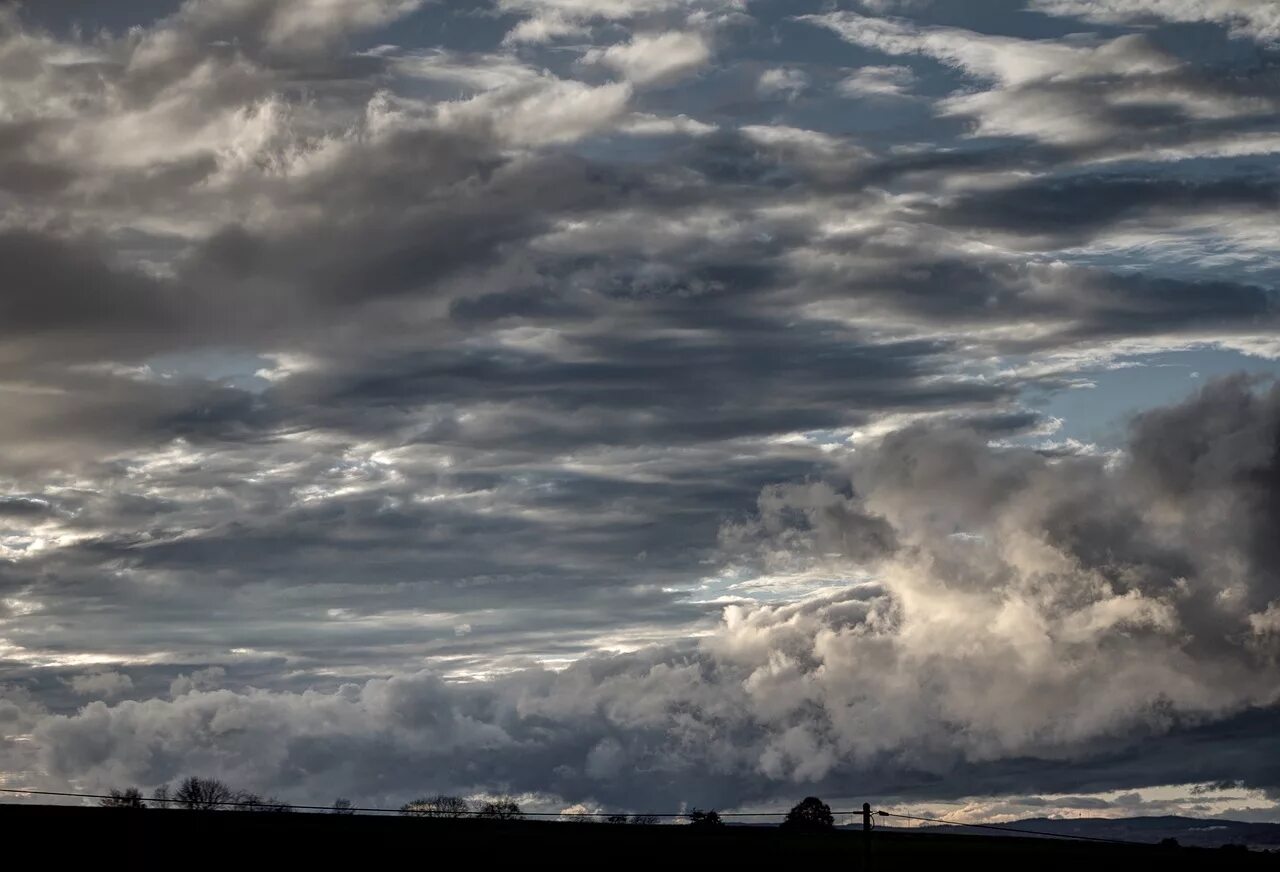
(643, 819)
(439, 805)
(616, 819)
(342, 805)
(161, 796)
(130, 797)
(246, 801)
(581, 814)
(203, 793)
(502, 808)
(700, 818)
(810, 813)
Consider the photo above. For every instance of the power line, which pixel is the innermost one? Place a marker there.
(1005, 829)
(374, 810)
(267, 806)
(228, 802)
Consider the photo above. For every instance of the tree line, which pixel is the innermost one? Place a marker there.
(197, 794)
(443, 806)
(209, 794)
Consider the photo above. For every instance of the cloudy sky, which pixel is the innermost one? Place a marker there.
(640, 403)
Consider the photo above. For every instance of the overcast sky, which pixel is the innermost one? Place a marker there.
(641, 403)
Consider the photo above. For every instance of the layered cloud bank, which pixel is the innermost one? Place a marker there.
(1053, 610)
(639, 401)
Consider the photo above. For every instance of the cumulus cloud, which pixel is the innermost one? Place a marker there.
(542, 111)
(198, 680)
(645, 124)
(654, 58)
(1024, 607)
(786, 82)
(101, 685)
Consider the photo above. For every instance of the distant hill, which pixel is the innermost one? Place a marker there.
(1207, 833)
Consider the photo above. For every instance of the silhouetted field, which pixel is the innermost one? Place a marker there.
(195, 838)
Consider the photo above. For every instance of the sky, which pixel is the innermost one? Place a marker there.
(639, 404)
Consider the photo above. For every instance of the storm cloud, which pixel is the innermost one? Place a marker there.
(1054, 610)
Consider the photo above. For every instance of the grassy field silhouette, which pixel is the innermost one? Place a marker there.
(202, 838)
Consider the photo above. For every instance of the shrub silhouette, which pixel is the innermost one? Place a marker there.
(246, 801)
(502, 808)
(642, 819)
(700, 818)
(130, 797)
(810, 814)
(440, 805)
(341, 805)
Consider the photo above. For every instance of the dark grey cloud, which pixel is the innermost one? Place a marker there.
(1059, 304)
(1075, 210)
(59, 286)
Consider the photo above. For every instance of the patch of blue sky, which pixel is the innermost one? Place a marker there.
(1192, 255)
(472, 26)
(745, 584)
(1099, 414)
(229, 367)
(1216, 251)
(1002, 18)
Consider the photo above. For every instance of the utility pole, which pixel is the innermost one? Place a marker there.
(866, 835)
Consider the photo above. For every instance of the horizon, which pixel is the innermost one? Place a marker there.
(634, 404)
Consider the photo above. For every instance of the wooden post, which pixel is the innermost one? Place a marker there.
(866, 835)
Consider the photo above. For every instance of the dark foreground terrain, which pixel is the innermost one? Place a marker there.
(122, 837)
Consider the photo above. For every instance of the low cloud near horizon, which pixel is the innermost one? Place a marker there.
(640, 404)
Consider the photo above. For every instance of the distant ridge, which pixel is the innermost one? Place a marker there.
(1201, 832)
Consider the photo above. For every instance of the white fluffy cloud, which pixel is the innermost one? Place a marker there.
(878, 81)
(654, 58)
(542, 111)
(1069, 92)
(101, 685)
(1009, 60)
(547, 20)
(785, 82)
(1255, 19)
(289, 26)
